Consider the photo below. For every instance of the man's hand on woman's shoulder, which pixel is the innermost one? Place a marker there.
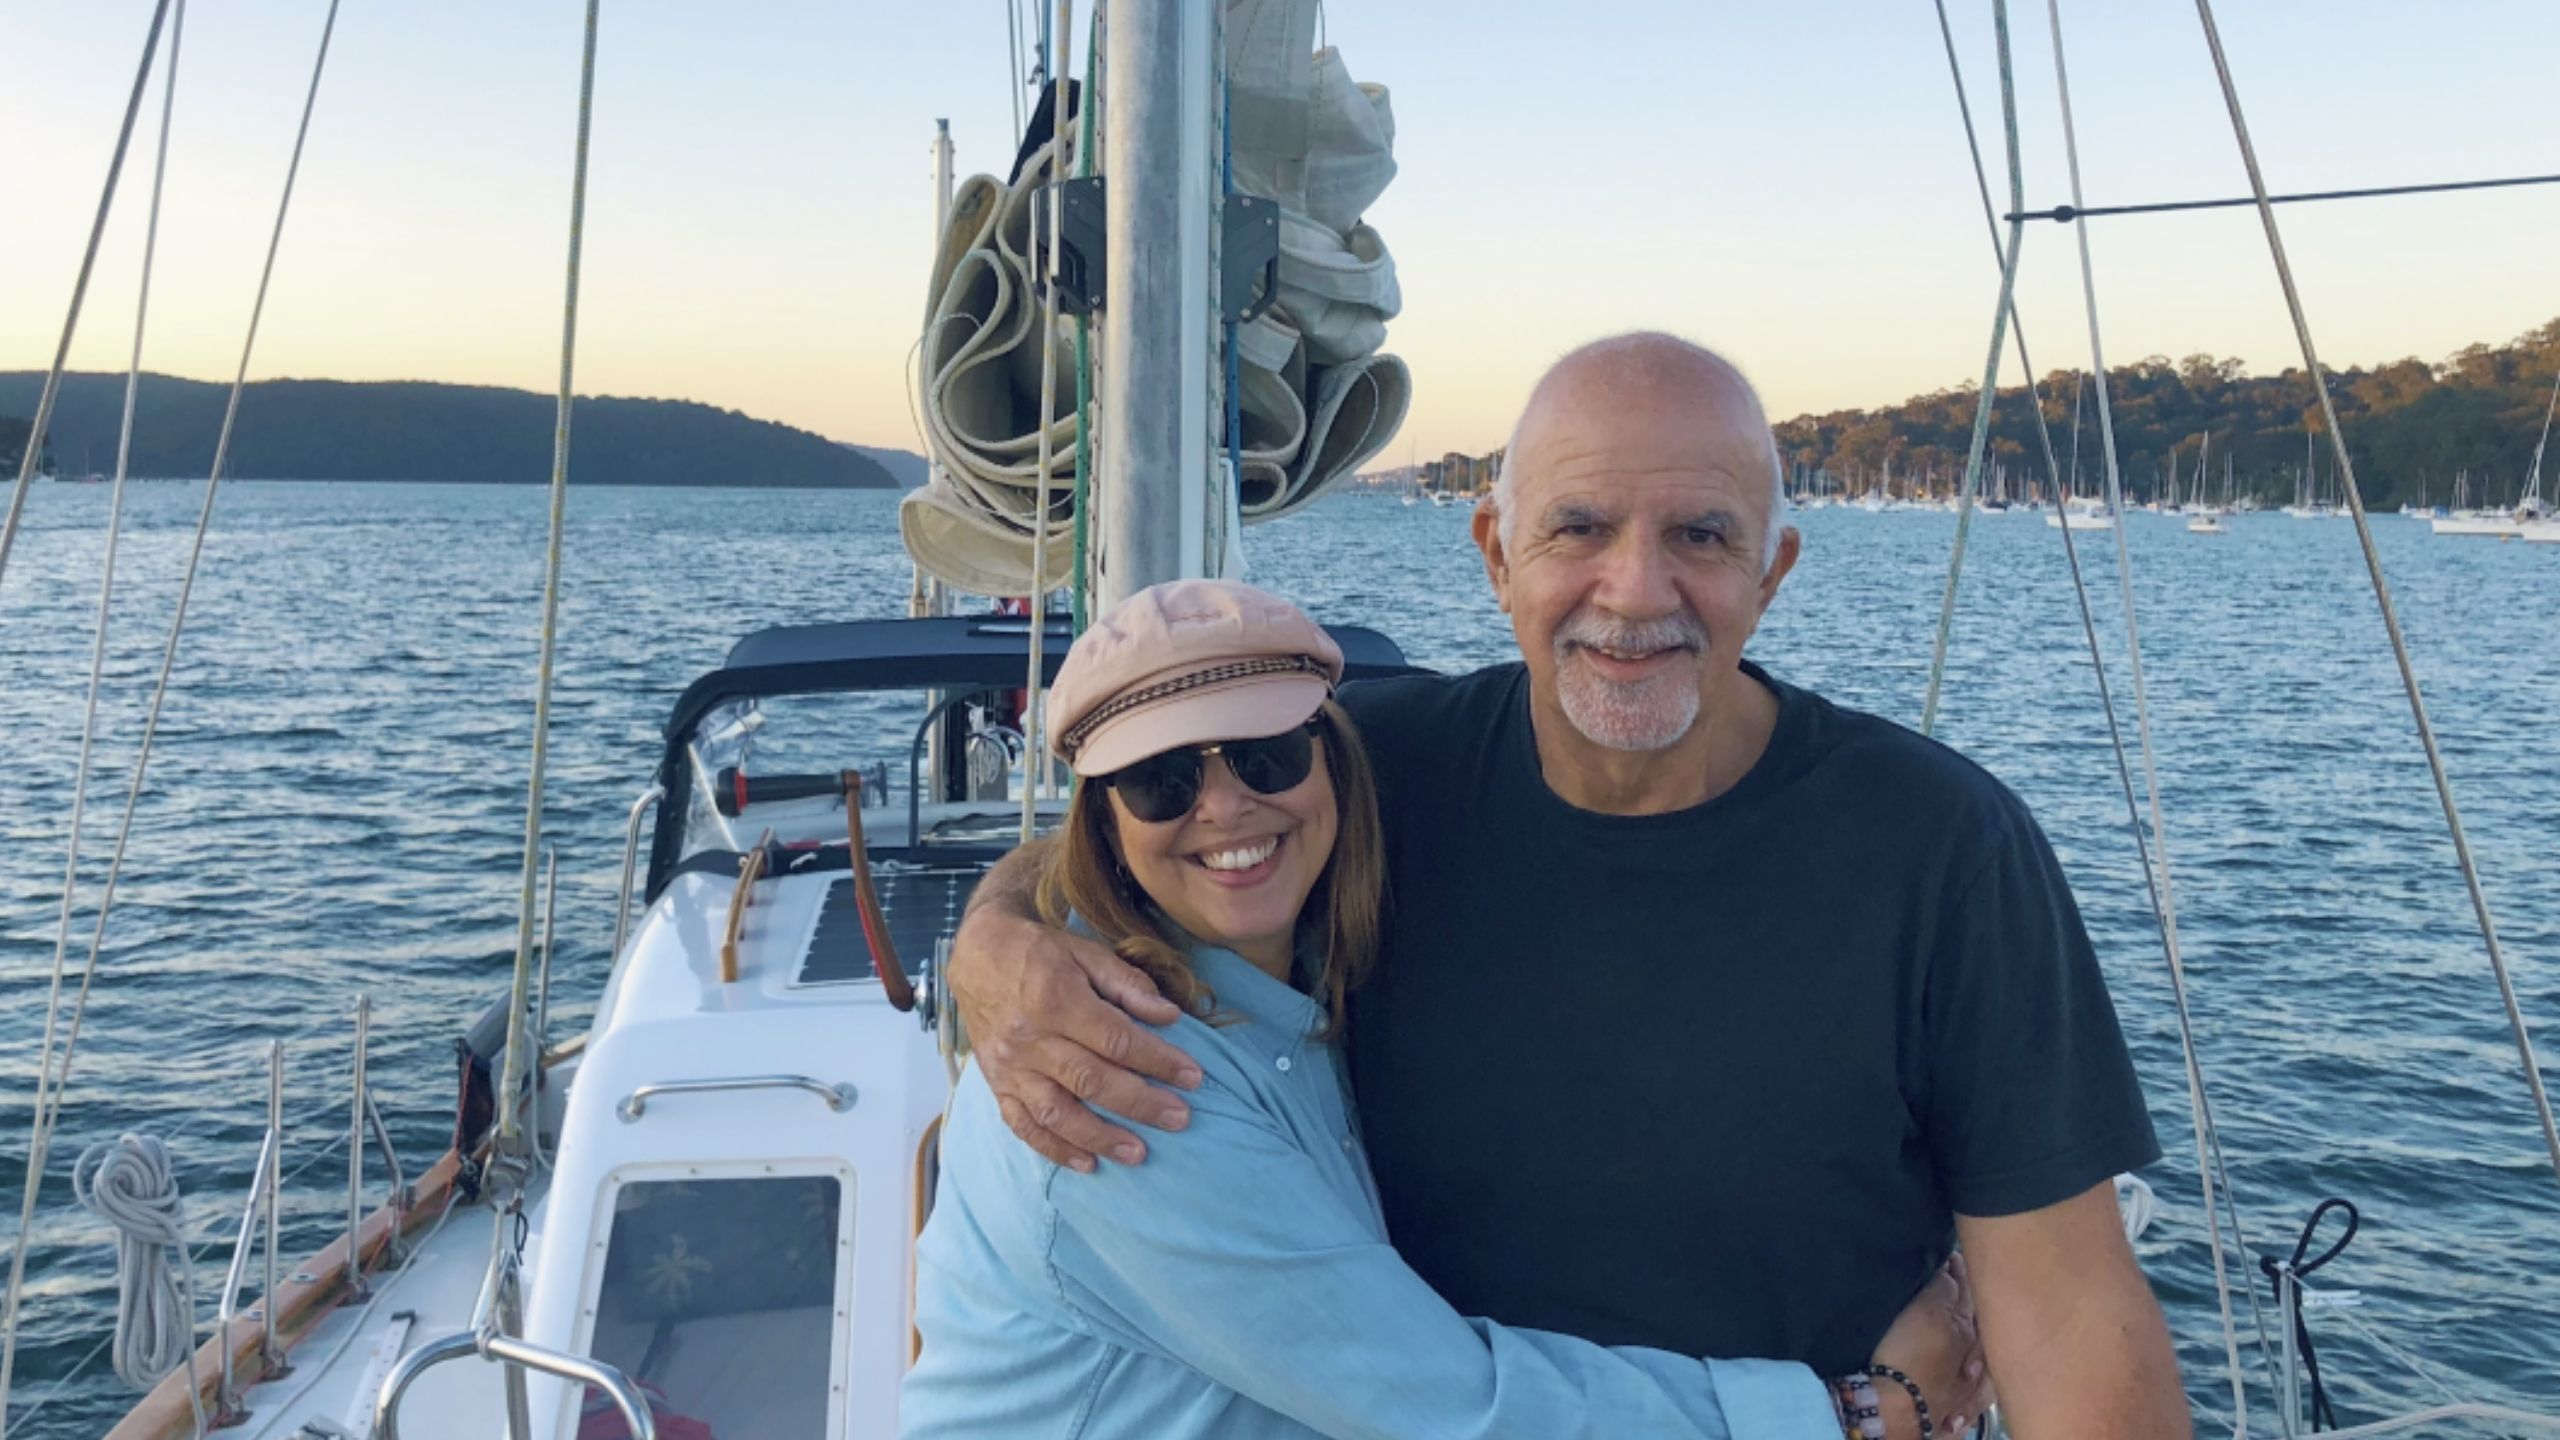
(1048, 1015)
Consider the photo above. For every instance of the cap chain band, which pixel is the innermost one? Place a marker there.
(1075, 736)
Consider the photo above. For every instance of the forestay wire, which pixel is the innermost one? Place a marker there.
(48, 1110)
(2382, 592)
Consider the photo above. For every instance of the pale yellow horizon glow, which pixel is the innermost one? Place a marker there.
(1786, 187)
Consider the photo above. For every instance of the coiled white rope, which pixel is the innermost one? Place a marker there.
(128, 1183)
(2382, 594)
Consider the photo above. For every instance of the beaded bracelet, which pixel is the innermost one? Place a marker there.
(1919, 1402)
(1861, 1416)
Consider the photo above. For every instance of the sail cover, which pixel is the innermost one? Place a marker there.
(1317, 396)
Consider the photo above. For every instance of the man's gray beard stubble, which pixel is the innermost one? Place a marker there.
(1641, 715)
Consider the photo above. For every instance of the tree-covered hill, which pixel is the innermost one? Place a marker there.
(2411, 427)
(415, 430)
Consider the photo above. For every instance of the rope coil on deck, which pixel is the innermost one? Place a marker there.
(129, 1183)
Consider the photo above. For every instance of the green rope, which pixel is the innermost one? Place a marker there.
(1084, 365)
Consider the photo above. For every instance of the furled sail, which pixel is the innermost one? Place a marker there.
(1316, 395)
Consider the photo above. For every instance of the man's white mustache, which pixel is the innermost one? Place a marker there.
(1680, 632)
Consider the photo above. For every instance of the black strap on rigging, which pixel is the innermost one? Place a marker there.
(2323, 1416)
(2068, 213)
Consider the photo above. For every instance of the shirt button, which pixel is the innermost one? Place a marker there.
(1346, 1144)
(1284, 1064)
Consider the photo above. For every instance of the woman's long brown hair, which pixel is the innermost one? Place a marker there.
(1084, 876)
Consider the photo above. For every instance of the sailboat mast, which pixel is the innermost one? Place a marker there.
(1153, 436)
(2533, 486)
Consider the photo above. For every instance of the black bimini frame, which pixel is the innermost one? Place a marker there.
(958, 653)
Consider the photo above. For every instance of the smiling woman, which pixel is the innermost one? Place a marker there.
(1240, 1282)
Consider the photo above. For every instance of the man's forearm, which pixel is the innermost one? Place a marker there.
(2076, 1341)
(1011, 887)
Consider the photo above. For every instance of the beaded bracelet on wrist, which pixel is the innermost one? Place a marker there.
(1919, 1402)
(1861, 1415)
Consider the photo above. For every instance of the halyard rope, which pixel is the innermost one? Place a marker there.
(2157, 870)
(1034, 755)
(518, 1057)
(2202, 1095)
(2382, 592)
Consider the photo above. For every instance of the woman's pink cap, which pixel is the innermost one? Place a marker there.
(1188, 662)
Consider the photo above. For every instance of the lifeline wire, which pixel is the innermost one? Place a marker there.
(2382, 593)
(2208, 1146)
(62, 353)
(2000, 315)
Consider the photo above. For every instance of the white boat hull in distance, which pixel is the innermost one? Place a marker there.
(2081, 522)
(2546, 532)
(2206, 525)
(2494, 527)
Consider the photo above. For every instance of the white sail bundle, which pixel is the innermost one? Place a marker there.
(1316, 396)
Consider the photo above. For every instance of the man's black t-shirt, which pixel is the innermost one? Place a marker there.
(1716, 1081)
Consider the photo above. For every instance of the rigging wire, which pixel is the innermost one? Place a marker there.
(2000, 316)
(62, 349)
(518, 1057)
(2382, 592)
(2533, 487)
(1013, 70)
(2202, 1096)
(2156, 871)
(48, 1112)
(1079, 595)
(2074, 211)
(1034, 754)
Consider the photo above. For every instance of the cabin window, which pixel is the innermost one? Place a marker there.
(719, 1298)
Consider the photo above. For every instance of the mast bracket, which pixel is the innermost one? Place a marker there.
(1077, 271)
(1249, 245)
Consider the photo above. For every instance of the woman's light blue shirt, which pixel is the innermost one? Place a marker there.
(1239, 1285)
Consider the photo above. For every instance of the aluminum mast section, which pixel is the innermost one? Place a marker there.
(1154, 434)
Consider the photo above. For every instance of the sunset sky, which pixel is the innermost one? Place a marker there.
(1785, 182)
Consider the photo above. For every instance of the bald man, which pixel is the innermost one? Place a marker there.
(1712, 1013)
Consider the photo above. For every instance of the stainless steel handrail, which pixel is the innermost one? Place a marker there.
(487, 1339)
(227, 1305)
(356, 1288)
(630, 866)
(838, 1097)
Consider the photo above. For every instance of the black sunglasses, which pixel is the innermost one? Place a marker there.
(1165, 787)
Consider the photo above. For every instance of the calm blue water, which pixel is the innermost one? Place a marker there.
(336, 806)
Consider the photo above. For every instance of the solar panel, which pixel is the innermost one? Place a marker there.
(922, 905)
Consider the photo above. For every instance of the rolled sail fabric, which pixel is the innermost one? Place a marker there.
(1315, 397)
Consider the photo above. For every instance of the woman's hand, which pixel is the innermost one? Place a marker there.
(1935, 1342)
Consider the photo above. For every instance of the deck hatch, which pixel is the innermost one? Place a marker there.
(922, 905)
